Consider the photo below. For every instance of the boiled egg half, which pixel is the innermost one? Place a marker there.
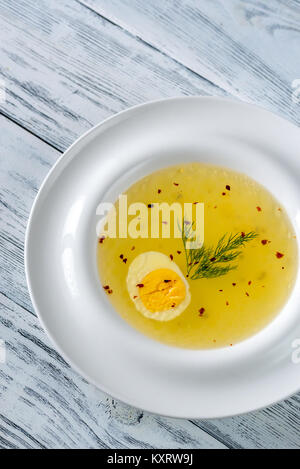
(157, 286)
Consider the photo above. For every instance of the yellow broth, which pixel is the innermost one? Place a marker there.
(225, 310)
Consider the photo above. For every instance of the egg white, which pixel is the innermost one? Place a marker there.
(141, 266)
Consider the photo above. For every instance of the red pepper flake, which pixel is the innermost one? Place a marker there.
(279, 209)
(178, 252)
(249, 283)
(258, 209)
(173, 305)
(121, 256)
(279, 255)
(243, 234)
(215, 206)
(223, 193)
(101, 239)
(228, 188)
(106, 287)
(195, 203)
(140, 285)
(247, 294)
(159, 191)
(125, 260)
(234, 284)
(167, 281)
(212, 259)
(171, 257)
(227, 304)
(220, 290)
(201, 311)
(135, 296)
(133, 248)
(109, 292)
(230, 345)
(175, 183)
(150, 205)
(264, 242)
(282, 268)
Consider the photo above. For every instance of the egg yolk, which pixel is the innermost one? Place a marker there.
(161, 290)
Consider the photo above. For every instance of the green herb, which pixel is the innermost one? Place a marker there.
(210, 262)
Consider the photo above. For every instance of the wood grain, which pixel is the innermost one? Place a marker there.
(248, 48)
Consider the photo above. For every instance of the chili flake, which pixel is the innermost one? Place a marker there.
(167, 281)
(150, 205)
(135, 296)
(258, 209)
(264, 242)
(125, 260)
(101, 239)
(175, 183)
(228, 188)
(106, 287)
(243, 234)
(249, 283)
(227, 304)
(178, 252)
(247, 294)
(133, 248)
(109, 292)
(140, 285)
(279, 255)
(201, 311)
(234, 284)
(159, 191)
(223, 193)
(121, 256)
(171, 257)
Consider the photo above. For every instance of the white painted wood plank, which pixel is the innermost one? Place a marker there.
(65, 69)
(248, 48)
(43, 401)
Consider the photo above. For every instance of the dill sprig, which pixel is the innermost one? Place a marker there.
(210, 262)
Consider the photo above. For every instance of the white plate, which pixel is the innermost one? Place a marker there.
(61, 262)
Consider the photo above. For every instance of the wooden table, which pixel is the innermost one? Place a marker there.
(65, 65)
